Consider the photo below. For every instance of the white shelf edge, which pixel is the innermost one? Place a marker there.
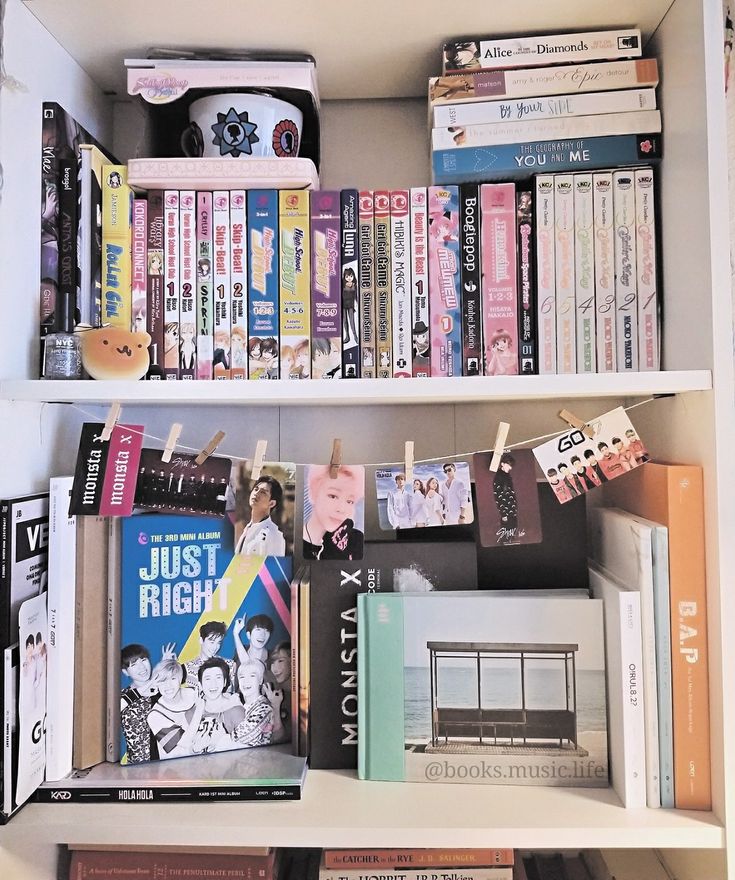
(469, 389)
(339, 810)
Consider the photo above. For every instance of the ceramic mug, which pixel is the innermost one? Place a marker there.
(242, 124)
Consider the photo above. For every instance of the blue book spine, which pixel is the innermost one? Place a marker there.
(263, 257)
(511, 161)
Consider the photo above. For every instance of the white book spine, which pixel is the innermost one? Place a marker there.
(221, 277)
(552, 107)
(604, 271)
(626, 285)
(112, 716)
(171, 283)
(662, 620)
(187, 286)
(238, 285)
(545, 274)
(584, 273)
(633, 731)
(566, 355)
(563, 128)
(648, 332)
(419, 278)
(10, 722)
(498, 872)
(60, 671)
(400, 238)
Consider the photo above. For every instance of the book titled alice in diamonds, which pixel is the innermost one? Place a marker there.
(472, 687)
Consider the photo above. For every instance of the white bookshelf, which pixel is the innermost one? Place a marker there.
(381, 54)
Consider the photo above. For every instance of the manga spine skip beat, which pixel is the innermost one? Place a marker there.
(295, 280)
(263, 329)
(626, 282)
(117, 205)
(154, 283)
(421, 321)
(349, 213)
(566, 354)
(140, 265)
(221, 246)
(584, 273)
(545, 273)
(187, 302)
(383, 334)
(400, 260)
(602, 200)
(326, 295)
(171, 281)
(238, 285)
(204, 259)
(367, 285)
(445, 302)
(500, 313)
(648, 334)
(469, 231)
(527, 341)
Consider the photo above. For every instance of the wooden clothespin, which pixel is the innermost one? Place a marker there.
(171, 441)
(112, 418)
(499, 447)
(336, 459)
(575, 422)
(408, 462)
(260, 448)
(210, 447)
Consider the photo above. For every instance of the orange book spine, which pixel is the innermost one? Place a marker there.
(424, 858)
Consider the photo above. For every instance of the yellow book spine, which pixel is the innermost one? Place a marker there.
(294, 282)
(117, 201)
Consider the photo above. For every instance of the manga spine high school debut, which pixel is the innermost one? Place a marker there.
(263, 348)
(295, 278)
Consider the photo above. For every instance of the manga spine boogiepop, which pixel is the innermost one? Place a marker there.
(154, 283)
(204, 298)
(221, 244)
(187, 302)
(295, 281)
(117, 228)
(566, 353)
(470, 270)
(602, 198)
(383, 278)
(238, 285)
(527, 341)
(326, 293)
(545, 273)
(626, 282)
(349, 252)
(420, 317)
(444, 283)
(648, 332)
(584, 273)
(499, 282)
(400, 261)
(171, 281)
(263, 347)
(366, 254)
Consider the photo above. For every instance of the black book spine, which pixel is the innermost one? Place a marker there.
(154, 284)
(526, 283)
(113, 794)
(68, 219)
(6, 550)
(469, 214)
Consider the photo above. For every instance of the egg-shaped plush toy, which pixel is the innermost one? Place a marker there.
(115, 353)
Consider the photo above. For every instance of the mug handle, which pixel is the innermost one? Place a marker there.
(192, 141)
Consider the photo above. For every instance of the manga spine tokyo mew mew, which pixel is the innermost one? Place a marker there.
(326, 294)
(626, 282)
(545, 274)
(584, 275)
(187, 301)
(171, 284)
(421, 342)
(648, 336)
(602, 198)
(383, 278)
(349, 216)
(139, 272)
(238, 285)
(262, 347)
(366, 239)
(205, 331)
(499, 282)
(400, 259)
(444, 283)
(221, 238)
(295, 280)
(566, 349)
(469, 226)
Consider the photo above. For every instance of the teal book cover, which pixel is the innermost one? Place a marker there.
(474, 687)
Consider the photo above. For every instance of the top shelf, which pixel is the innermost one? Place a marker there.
(381, 49)
(469, 389)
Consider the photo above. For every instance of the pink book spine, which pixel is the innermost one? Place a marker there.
(648, 335)
(205, 335)
(238, 286)
(221, 246)
(545, 274)
(445, 305)
(604, 271)
(187, 304)
(171, 282)
(420, 318)
(401, 277)
(566, 349)
(499, 279)
(140, 264)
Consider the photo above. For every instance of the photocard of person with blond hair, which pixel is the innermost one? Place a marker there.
(334, 512)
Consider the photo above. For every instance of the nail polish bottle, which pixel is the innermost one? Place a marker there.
(63, 351)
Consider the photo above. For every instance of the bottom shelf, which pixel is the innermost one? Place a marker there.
(339, 810)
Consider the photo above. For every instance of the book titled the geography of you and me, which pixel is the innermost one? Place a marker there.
(472, 687)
